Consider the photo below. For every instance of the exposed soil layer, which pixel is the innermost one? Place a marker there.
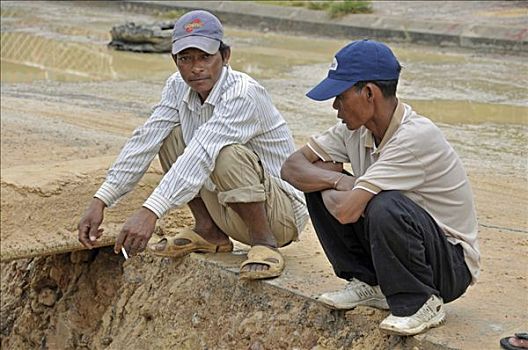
(95, 300)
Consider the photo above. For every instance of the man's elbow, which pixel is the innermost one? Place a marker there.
(346, 215)
(287, 171)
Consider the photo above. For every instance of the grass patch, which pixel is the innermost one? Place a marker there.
(169, 15)
(335, 8)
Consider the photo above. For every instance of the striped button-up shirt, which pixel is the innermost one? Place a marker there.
(238, 110)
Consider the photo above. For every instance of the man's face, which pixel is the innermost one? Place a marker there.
(199, 69)
(353, 108)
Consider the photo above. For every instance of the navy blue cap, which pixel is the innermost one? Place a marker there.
(198, 29)
(362, 60)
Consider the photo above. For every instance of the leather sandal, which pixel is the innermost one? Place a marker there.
(263, 255)
(195, 244)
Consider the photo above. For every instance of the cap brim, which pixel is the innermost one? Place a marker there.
(203, 43)
(329, 88)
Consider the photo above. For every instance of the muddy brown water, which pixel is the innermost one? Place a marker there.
(480, 100)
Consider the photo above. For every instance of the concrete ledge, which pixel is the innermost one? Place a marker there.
(313, 22)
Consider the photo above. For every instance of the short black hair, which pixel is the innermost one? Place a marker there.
(224, 48)
(387, 87)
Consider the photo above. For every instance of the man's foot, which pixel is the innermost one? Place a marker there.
(268, 241)
(212, 235)
(355, 293)
(260, 255)
(185, 242)
(431, 314)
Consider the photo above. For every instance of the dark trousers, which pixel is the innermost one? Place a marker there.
(397, 245)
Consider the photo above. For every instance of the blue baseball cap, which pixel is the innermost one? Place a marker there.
(199, 29)
(361, 60)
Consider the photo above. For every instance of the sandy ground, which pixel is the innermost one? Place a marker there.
(58, 139)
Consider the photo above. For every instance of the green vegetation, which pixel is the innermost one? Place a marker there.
(169, 15)
(335, 8)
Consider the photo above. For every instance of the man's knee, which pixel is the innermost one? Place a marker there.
(383, 207)
(236, 165)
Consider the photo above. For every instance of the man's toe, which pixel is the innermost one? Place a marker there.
(160, 246)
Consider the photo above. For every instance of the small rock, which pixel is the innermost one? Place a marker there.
(195, 319)
(55, 274)
(47, 297)
(256, 345)
(106, 341)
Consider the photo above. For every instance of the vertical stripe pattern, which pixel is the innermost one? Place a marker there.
(237, 111)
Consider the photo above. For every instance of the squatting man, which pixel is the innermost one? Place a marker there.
(221, 143)
(401, 228)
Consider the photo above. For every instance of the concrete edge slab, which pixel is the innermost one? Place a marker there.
(314, 22)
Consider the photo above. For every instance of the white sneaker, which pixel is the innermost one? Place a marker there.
(431, 314)
(355, 293)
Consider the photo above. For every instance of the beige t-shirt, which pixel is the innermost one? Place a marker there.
(415, 158)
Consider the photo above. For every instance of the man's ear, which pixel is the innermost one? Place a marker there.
(368, 91)
(371, 90)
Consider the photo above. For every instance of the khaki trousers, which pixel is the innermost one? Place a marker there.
(239, 178)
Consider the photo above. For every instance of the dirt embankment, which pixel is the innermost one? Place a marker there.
(95, 300)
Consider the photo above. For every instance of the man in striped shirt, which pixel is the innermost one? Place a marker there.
(221, 144)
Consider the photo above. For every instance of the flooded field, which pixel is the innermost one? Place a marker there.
(481, 101)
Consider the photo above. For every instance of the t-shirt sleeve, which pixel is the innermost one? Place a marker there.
(397, 168)
(330, 145)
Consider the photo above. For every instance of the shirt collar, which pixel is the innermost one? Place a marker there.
(192, 100)
(394, 124)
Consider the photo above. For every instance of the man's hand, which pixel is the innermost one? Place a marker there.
(136, 232)
(88, 227)
(345, 182)
(346, 206)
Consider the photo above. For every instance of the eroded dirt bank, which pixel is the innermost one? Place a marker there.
(95, 300)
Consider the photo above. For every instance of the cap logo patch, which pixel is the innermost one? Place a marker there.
(196, 23)
(333, 65)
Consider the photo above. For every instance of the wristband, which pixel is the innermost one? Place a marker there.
(337, 181)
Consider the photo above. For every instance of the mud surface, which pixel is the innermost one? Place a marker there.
(63, 123)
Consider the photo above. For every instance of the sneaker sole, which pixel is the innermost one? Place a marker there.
(434, 322)
(377, 303)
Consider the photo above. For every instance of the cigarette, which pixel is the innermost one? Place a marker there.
(124, 253)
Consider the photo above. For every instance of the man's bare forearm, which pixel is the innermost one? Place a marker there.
(346, 206)
(308, 176)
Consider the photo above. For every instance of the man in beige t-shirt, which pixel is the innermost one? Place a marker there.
(402, 227)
